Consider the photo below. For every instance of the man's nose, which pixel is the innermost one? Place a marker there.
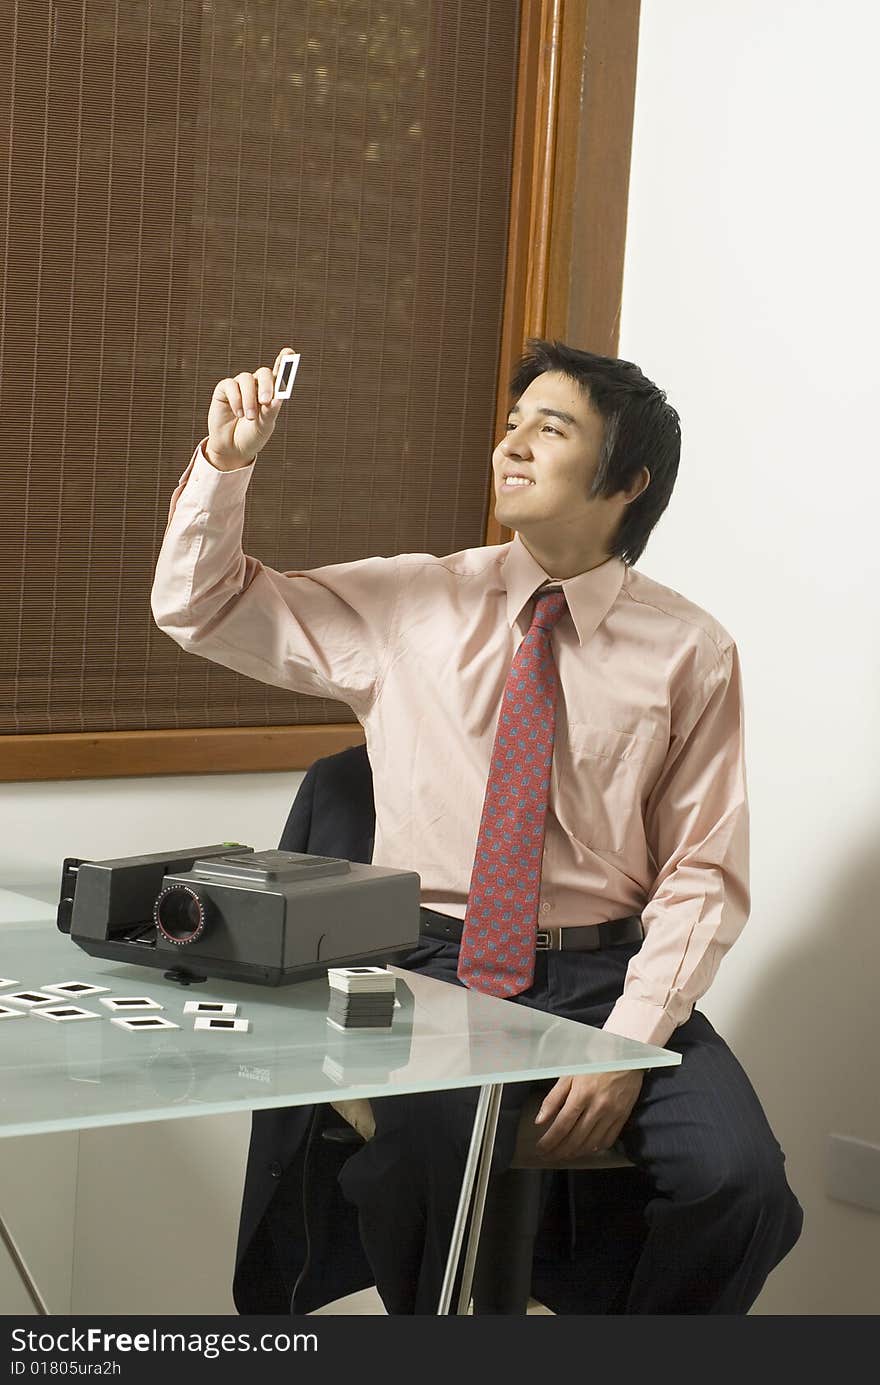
(516, 444)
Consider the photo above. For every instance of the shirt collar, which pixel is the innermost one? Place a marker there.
(589, 596)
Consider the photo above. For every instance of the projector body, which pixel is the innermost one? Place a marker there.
(268, 917)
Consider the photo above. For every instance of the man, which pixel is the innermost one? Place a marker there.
(557, 744)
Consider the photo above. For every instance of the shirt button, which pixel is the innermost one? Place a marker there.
(545, 908)
(276, 1170)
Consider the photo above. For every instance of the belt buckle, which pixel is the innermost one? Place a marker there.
(542, 940)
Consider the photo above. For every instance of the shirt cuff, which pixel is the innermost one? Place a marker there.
(636, 1019)
(211, 483)
(206, 487)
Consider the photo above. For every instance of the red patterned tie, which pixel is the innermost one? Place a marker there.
(498, 938)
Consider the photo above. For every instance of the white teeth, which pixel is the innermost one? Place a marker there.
(518, 481)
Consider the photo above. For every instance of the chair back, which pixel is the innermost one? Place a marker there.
(333, 812)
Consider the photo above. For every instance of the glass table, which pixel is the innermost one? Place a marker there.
(84, 1073)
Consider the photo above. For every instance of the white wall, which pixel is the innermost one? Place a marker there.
(103, 818)
(751, 296)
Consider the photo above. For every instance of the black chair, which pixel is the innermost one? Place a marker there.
(333, 814)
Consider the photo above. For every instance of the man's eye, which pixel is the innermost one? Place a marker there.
(545, 427)
(510, 427)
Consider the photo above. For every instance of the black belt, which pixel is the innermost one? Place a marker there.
(614, 933)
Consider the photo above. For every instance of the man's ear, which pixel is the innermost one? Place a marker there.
(638, 486)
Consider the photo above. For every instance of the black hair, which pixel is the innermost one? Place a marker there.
(641, 430)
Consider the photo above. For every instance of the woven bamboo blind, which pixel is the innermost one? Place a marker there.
(190, 184)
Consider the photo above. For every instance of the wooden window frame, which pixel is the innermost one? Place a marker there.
(571, 159)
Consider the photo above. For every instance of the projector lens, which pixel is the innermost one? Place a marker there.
(179, 915)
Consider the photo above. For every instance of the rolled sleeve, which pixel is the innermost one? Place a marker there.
(697, 826)
(325, 632)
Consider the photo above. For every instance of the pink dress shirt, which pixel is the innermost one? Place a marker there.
(647, 810)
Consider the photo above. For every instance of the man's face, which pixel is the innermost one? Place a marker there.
(554, 438)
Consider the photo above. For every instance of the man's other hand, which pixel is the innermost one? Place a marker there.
(583, 1115)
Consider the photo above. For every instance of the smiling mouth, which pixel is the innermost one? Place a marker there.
(511, 483)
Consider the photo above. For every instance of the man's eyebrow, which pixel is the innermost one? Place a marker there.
(549, 413)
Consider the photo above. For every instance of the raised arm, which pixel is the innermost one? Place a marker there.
(327, 631)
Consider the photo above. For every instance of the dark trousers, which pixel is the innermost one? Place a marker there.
(720, 1214)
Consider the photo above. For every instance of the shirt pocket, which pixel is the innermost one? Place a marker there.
(599, 774)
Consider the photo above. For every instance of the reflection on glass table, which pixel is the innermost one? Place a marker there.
(91, 1072)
